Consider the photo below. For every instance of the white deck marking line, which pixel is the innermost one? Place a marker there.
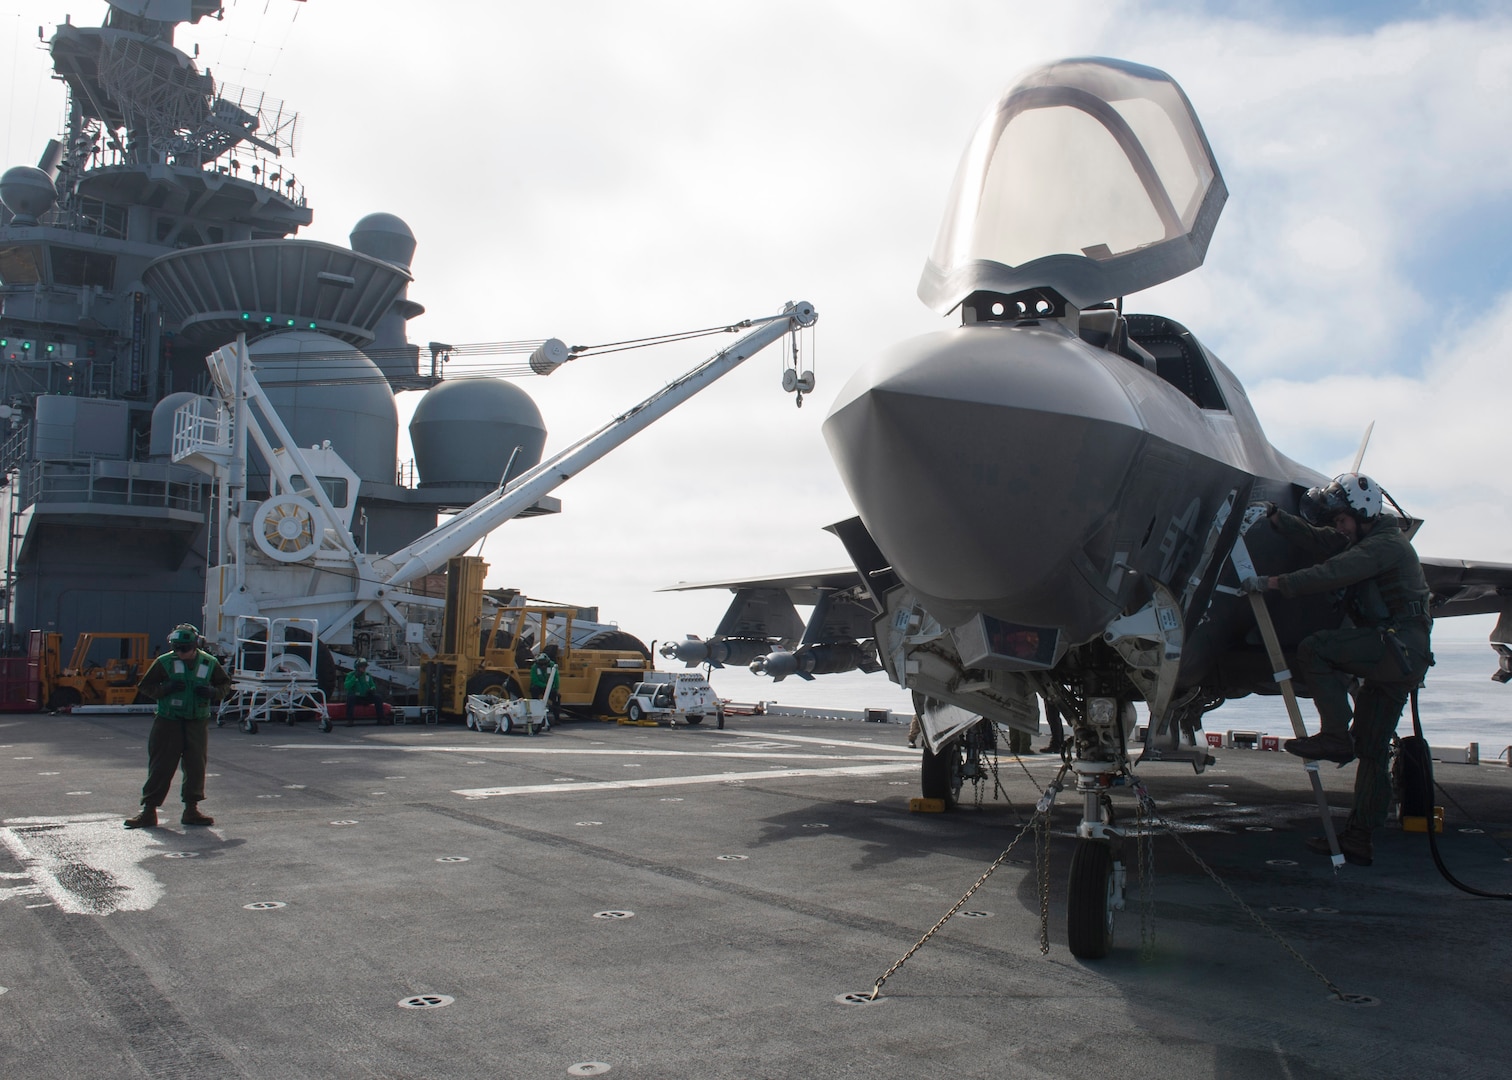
(680, 781)
(756, 755)
(894, 750)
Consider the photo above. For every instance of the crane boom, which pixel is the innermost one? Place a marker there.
(453, 537)
(293, 554)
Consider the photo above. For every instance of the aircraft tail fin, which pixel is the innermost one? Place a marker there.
(1360, 453)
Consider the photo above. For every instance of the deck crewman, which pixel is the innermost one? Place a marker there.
(362, 689)
(184, 682)
(1368, 556)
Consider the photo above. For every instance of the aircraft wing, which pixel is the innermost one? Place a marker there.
(804, 588)
(763, 630)
(1462, 587)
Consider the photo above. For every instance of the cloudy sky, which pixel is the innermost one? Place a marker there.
(598, 170)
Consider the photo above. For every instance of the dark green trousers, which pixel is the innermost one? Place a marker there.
(1378, 708)
(173, 743)
(1329, 660)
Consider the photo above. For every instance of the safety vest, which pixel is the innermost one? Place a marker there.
(183, 704)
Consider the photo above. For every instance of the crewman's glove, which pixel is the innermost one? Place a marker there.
(177, 683)
(1253, 585)
(1270, 510)
(202, 692)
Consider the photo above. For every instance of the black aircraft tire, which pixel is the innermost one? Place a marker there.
(1089, 900)
(935, 773)
(694, 719)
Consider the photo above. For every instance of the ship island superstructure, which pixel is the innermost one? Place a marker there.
(158, 227)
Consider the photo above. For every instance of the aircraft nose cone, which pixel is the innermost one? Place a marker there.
(985, 461)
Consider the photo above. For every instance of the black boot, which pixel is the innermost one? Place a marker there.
(147, 819)
(1354, 845)
(192, 816)
(1322, 747)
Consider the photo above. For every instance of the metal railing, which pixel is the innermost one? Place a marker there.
(201, 425)
(104, 482)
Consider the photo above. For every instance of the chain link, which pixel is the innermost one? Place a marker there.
(1042, 870)
(1040, 817)
(1251, 912)
(1145, 851)
(876, 989)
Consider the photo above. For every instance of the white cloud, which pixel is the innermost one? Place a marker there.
(600, 171)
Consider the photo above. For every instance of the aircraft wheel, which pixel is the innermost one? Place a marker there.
(1089, 902)
(634, 711)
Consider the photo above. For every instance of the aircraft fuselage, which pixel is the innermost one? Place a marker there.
(1013, 469)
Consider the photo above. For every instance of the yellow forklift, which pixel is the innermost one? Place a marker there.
(594, 678)
(93, 676)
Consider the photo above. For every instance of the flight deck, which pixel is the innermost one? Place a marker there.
(429, 901)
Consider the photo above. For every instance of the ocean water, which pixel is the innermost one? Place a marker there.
(1459, 705)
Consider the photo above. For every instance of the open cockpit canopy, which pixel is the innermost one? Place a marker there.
(1089, 176)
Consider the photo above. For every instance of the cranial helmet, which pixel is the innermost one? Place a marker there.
(184, 634)
(1348, 493)
(361, 661)
(1361, 493)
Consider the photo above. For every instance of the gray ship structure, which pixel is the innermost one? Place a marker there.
(162, 225)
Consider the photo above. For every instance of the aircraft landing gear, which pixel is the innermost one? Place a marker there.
(1095, 890)
(1094, 893)
(966, 757)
